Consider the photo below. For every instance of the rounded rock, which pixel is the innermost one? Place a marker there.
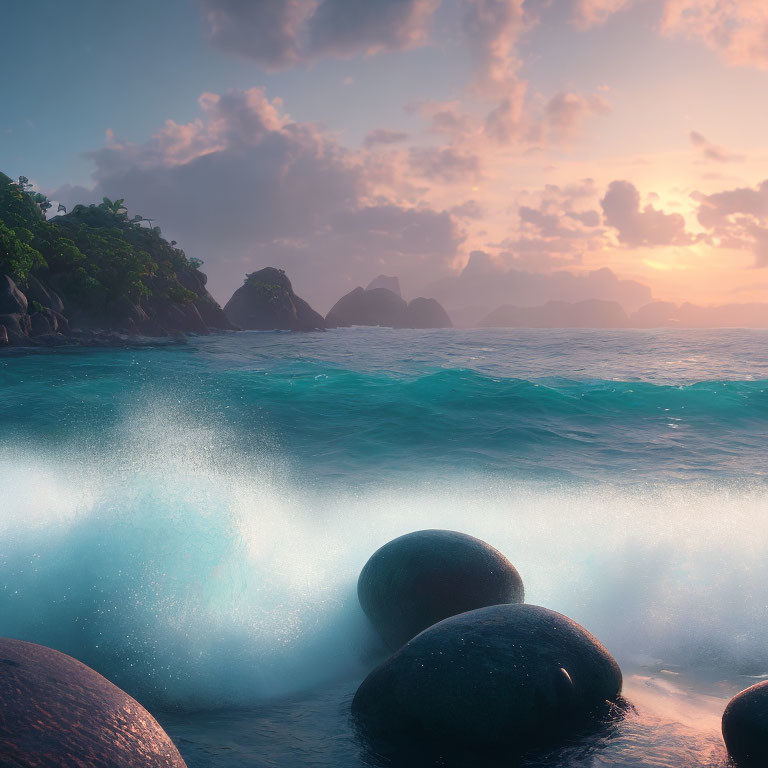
(57, 712)
(745, 726)
(506, 677)
(421, 578)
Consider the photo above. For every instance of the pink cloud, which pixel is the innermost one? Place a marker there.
(646, 227)
(736, 29)
(712, 151)
(737, 219)
(282, 33)
(244, 186)
(593, 13)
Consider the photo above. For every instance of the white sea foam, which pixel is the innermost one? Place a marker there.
(200, 575)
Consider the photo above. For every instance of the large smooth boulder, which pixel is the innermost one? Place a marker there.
(57, 713)
(427, 313)
(745, 727)
(502, 678)
(424, 577)
(266, 302)
(4, 342)
(12, 300)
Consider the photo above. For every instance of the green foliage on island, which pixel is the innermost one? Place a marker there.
(268, 290)
(95, 256)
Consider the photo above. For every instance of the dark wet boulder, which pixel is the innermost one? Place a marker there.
(4, 342)
(266, 302)
(427, 313)
(424, 577)
(377, 306)
(502, 678)
(58, 713)
(12, 300)
(745, 727)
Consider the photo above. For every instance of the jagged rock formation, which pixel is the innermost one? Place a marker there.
(93, 270)
(40, 317)
(385, 281)
(266, 302)
(382, 307)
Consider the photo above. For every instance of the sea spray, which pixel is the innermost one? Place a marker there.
(210, 589)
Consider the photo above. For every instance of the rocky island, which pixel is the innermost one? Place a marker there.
(380, 304)
(93, 276)
(266, 302)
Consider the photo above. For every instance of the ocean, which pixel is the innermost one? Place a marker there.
(191, 520)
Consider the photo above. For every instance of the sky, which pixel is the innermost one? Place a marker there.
(484, 151)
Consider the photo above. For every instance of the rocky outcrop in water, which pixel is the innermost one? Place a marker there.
(501, 678)
(426, 313)
(266, 302)
(38, 316)
(382, 307)
(424, 577)
(58, 713)
(745, 727)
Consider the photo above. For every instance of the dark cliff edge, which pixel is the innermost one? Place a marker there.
(266, 302)
(93, 276)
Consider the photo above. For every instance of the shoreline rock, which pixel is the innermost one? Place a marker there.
(745, 727)
(57, 712)
(421, 578)
(497, 680)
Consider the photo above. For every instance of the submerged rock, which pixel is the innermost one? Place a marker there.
(424, 577)
(58, 713)
(266, 302)
(506, 677)
(745, 727)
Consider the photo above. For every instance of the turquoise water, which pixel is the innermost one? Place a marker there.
(191, 520)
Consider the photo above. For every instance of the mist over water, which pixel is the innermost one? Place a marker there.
(191, 522)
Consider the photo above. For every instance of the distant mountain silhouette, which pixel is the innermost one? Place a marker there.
(385, 281)
(380, 306)
(559, 314)
(609, 314)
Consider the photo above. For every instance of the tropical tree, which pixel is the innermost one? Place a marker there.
(115, 206)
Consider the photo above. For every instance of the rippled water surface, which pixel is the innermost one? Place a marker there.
(191, 520)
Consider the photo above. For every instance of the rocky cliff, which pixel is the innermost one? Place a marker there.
(266, 302)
